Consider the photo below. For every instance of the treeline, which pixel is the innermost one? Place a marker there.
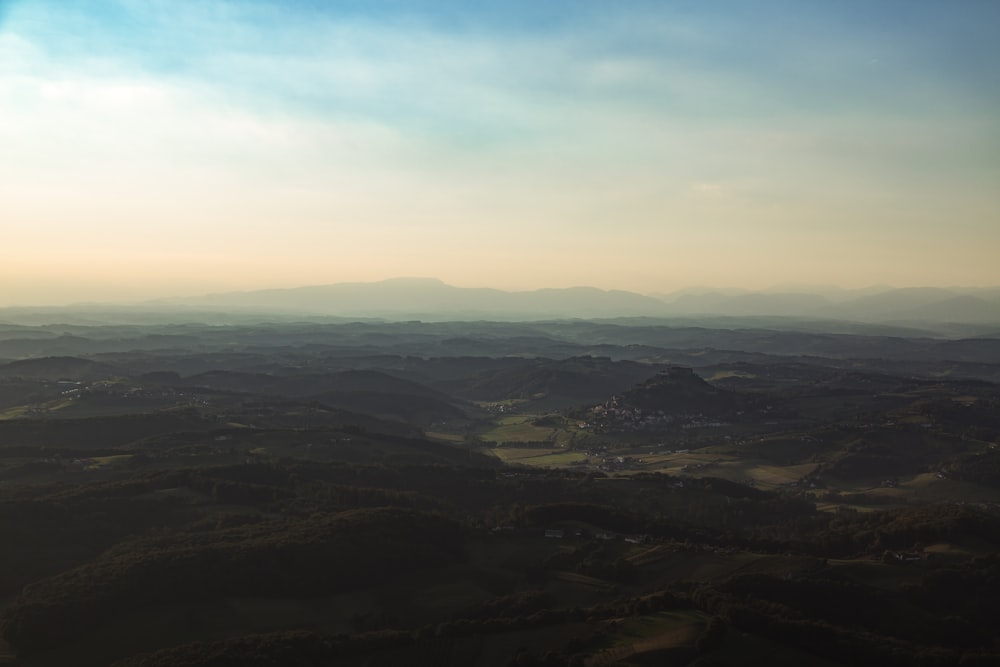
(859, 625)
(848, 534)
(99, 432)
(593, 559)
(443, 644)
(708, 483)
(66, 526)
(655, 527)
(969, 590)
(982, 468)
(42, 536)
(319, 555)
(824, 615)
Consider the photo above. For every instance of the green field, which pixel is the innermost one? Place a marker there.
(701, 463)
(551, 459)
(927, 488)
(454, 438)
(633, 637)
(921, 488)
(722, 375)
(17, 412)
(518, 428)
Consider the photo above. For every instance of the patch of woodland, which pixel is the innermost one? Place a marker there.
(294, 558)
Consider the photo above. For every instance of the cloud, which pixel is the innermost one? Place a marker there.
(414, 130)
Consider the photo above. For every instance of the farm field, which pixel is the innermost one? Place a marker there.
(650, 637)
(543, 457)
(521, 428)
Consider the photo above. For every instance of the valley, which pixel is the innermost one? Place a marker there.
(494, 494)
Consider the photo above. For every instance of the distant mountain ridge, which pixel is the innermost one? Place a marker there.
(909, 304)
(432, 299)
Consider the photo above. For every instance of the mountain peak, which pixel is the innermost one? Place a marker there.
(413, 281)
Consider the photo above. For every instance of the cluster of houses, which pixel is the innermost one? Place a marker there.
(498, 408)
(699, 422)
(615, 463)
(89, 464)
(615, 416)
(74, 389)
(902, 556)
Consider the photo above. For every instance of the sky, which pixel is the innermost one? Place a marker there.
(176, 147)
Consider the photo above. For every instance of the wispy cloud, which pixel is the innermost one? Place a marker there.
(419, 129)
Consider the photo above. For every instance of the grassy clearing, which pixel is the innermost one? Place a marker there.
(779, 476)
(83, 406)
(722, 375)
(52, 408)
(538, 457)
(834, 507)
(520, 454)
(675, 461)
(518, 428)
(557, 459)
(727, 467)
(654, 625)
(117, 460)
(446, 437)
(648, 634)
(968, 549)
(18, 412)
(927, 488)
(704, 463)
(580, 579)
(650, 555)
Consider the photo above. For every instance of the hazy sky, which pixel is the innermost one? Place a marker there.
(155, 147)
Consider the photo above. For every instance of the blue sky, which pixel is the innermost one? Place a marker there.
(156, 147)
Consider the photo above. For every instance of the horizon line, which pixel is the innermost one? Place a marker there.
(781, 288)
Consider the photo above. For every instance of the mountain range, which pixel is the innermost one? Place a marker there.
(950, 311)
(432, 299)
